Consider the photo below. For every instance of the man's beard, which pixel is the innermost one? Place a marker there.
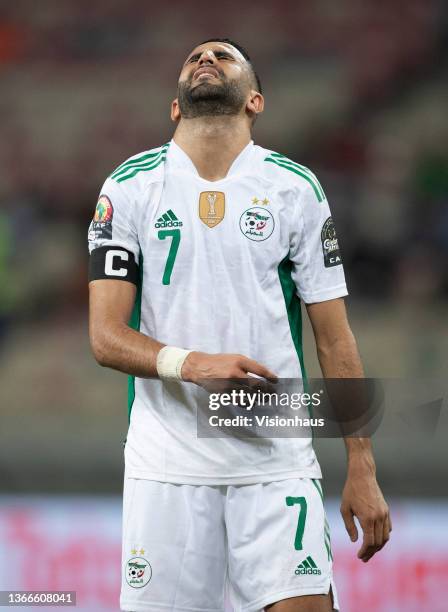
(210, 99)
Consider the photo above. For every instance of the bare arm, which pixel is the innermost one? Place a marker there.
(115, 345)
(339, 358)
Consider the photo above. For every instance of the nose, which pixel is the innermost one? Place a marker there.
(207, 57)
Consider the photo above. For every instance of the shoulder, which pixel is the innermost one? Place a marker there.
(128, 187)
(141, 168)
(279, 168)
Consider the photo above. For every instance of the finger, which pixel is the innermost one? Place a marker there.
(368, 541)
(250, 365)
(379, 532)
(256, 382)
(386, 530)
(242, 379)
(349, 523)
(266, 386)
(388, 525)
(369, 553)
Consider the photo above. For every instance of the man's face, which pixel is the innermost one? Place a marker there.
(215, 80)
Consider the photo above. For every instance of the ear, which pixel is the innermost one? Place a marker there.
(255, 103)
(175, 111)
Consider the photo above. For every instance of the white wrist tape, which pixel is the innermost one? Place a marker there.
(170, 361)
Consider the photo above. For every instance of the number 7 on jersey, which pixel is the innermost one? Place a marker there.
(175, 240)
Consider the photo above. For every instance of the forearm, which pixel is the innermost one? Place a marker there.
(359, 456)
(341, 359)
(119, 347)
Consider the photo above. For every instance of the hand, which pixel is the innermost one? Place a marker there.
(202, 367)
(362, 498)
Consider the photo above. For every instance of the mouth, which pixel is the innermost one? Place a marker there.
(203, 73)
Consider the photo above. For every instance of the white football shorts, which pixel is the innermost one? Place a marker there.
(191, 547)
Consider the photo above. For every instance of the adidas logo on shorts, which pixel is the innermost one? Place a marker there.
(168, 219)
(307, 567)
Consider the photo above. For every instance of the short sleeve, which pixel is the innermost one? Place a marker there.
(113, 223)
(317, 269)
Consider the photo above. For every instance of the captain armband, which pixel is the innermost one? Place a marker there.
(113, 262)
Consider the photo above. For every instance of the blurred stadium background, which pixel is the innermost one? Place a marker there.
(358, 91)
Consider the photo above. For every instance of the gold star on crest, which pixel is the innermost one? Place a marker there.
(255, 200)
(134, 551)
(142, 552)
(265, 201)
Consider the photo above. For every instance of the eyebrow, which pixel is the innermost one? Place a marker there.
(218, 52)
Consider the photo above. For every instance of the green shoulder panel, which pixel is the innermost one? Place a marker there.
(303, 171)
(141, 163)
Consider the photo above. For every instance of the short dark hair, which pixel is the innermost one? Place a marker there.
(243, 52)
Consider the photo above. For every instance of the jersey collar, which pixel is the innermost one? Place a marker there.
(179, 159)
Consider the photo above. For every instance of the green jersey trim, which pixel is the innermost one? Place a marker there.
(143, 168)
(138, 164)
(286, 163)
(139, 159)
(293, 308)
(327, 539)
(304, 169)
(134, 323)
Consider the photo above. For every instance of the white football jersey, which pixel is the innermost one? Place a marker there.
(223, 267)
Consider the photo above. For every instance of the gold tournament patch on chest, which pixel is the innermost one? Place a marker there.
(212, 207)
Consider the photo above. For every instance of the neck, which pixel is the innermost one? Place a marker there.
(212, 143)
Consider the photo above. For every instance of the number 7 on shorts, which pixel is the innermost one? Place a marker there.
(301, 501)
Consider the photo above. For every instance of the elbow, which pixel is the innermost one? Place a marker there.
(101, 359)
(323, 351)
(99, 349)
(327, 351)
(343, 342)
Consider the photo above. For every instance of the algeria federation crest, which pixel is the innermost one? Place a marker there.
(257, 223)
(212, 207)
(138, 572)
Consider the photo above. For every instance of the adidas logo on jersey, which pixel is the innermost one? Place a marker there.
(168, 219)
(307, 567)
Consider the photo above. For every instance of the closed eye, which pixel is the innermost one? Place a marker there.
(223, 55)
(218, 54)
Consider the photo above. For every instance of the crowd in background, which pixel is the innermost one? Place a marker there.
(354, 90)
